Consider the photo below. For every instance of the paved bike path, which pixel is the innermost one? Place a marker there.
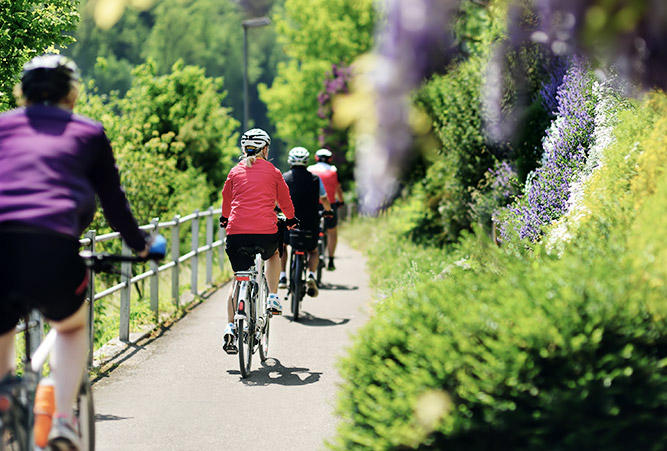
(182, 392)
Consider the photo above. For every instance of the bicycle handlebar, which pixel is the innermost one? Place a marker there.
(100, 261)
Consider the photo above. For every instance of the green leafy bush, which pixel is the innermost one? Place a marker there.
(515, 349)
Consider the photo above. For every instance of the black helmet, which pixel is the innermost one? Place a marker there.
(48, 78)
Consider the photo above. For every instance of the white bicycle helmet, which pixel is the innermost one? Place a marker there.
(323, 154)
(48, 78)
(254, 140)
(298, 156)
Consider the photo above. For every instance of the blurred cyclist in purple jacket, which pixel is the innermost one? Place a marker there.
(52, 164)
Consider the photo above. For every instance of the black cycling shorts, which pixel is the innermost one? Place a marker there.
(39, 270)
(241, 261)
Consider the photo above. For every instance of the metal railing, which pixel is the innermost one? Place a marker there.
(174, 263)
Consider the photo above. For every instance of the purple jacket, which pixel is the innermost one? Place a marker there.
(52, 163)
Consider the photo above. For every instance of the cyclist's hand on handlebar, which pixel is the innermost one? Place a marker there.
(328, 214)
(223, 222)
(292, 224)
(157, 248)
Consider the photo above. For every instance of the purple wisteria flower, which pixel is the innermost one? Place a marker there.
(565, 149)
(416, 40)
(499, 188)
(331, 137)
(631, 36)
(336, 82)
(555, 68)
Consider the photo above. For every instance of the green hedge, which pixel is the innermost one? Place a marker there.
(501, 348)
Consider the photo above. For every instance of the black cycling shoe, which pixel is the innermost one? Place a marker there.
(282, 283)
(311, 285)
(331, 266)
(228, 341)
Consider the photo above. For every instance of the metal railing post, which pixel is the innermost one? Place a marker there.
(209, 252)
(155, 279)
(175, 255)
(125, 292)
(195, 259)
(91, 300)
(36, 333)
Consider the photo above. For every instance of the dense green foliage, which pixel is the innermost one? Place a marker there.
(173, 141)
(203, 33)
(315, 35)
(27, 28)
(457, 176)
(487, 347)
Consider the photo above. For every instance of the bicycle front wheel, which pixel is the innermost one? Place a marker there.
(85, 414)
(321, 247)
(246, 333)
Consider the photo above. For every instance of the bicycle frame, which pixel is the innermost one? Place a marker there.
(322, 248)
(20, 399)
(251, 319)
(17, 397)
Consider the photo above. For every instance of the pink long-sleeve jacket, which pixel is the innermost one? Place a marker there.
(249, 198)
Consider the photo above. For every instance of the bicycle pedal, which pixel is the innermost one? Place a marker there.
(230, 348)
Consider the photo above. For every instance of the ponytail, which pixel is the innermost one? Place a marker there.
(250, 160)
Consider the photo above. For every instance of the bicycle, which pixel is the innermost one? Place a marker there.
(252, 319)
(18, 392)
(298, 241)
(322, 242)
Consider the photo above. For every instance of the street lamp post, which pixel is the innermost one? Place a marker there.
(250, 23)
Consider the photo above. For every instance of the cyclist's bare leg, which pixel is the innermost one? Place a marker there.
(68, 358)
(6, 353)
(313, 260)
(273, 272)
(332, 236)
(230, 303)
(283, 260)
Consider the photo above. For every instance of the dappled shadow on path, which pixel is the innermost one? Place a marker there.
(272, 372)
(338, 287)
(308, 319)
(102, 417)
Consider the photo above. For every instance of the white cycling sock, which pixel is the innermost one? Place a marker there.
(311, 274)
(283, 274)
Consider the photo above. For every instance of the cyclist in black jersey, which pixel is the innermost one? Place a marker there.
(306, 190)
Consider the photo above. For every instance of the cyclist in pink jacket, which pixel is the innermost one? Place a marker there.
(249, 197)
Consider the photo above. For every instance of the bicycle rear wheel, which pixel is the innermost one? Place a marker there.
(264, 335)
(13, 439)
(246, 332)
(297, 284)
(85, 414)
(14, 425)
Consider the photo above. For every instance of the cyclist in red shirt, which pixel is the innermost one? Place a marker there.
(251, 191)
(329, 176)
